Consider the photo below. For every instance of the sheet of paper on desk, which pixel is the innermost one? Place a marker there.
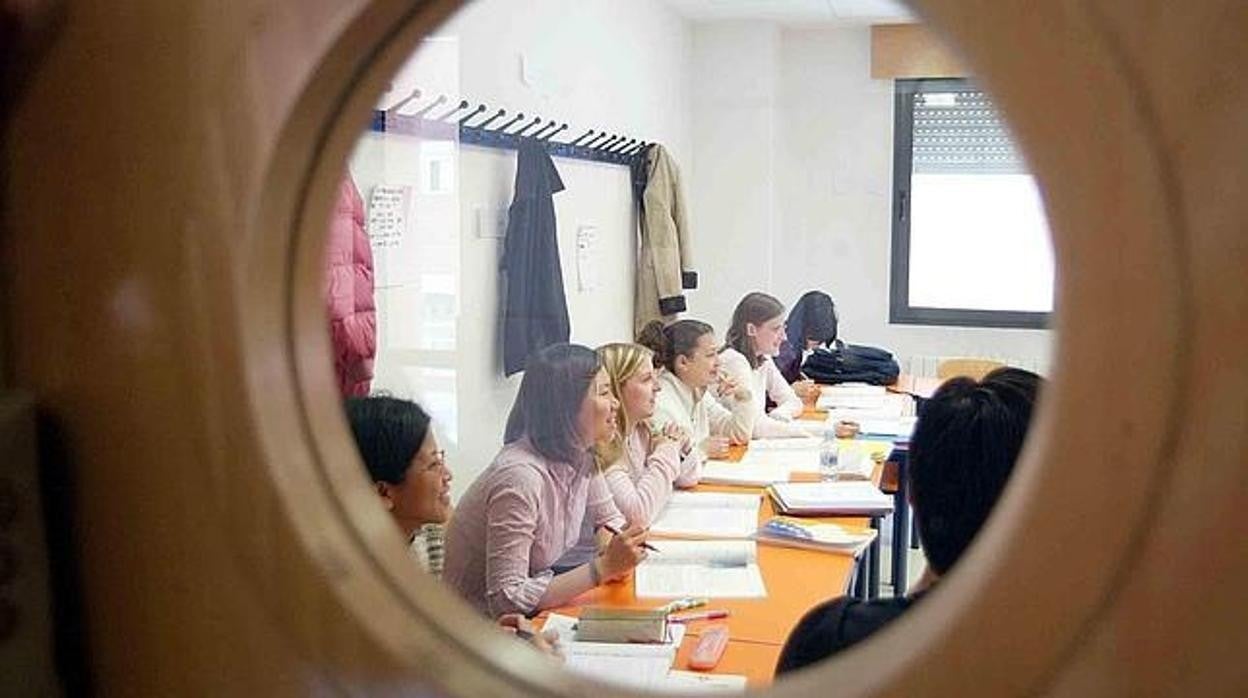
(708, 515)
(806, 459)
(851, 389)
(632, 665)
(794, 444)
(698, 682)
(721, 473)
(716, 569)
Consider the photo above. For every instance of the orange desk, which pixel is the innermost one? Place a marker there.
(796, 581)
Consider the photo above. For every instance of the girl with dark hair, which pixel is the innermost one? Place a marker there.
(408, 470)
(812, 323)
(525, 510)
(402, 457)
(642, 462)
(754, 337)
(689, 384)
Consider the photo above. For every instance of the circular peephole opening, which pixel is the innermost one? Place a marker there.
(691, 346)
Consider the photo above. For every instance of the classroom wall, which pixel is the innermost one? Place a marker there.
(623, 67)
(828, 148)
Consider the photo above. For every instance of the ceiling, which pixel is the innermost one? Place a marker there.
(843, 12)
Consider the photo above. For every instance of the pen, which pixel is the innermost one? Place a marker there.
(612, 531)
(703, 615)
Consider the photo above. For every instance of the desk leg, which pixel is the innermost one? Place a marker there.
(873, 556)
(860, 577)
(901, 529)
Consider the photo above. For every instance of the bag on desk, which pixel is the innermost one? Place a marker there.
(851, 363)
(603, 624)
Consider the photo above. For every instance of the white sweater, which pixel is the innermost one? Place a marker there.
(763, 382)
(701, 416)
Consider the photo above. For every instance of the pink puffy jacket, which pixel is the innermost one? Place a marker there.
(349, 293)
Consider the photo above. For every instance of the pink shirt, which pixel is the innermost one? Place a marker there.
(519, 516)
(640, 484)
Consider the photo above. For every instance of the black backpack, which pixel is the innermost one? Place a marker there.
(851, 363)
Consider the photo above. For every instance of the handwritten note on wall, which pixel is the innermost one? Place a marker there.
(387, 215)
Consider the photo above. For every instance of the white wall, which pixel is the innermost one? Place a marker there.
(831, 155)
(619, 66)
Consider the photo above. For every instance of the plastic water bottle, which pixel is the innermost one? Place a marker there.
(829, 452)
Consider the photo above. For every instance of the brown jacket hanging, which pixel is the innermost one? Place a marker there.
(664, 264)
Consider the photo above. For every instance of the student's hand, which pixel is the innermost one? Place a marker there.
(728, 387)
(806, 389)
(673, 432)
(546, 642)
(716, 446)
(622, 554)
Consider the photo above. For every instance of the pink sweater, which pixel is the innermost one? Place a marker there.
(640, 484)
(519, 516)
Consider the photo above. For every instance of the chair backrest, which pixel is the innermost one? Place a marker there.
(968, 367)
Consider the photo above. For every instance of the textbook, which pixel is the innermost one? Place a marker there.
(708, 515)
(826, 537)
(838, 498)
(714, 569)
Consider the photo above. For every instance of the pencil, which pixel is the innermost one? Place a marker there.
(647, 546)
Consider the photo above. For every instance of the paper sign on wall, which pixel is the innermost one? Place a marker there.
(387, 215)
(586, 258)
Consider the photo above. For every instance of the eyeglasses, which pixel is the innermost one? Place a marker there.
(439, 459)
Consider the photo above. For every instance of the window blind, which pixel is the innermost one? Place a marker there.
(962, 133)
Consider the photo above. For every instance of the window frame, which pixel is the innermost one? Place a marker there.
(900, 312)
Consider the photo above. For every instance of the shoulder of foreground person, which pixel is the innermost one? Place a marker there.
(837, 625)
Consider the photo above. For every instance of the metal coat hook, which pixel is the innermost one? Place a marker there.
(420, 114)
(551, 129)
(593, 142)
(480, 108)
(542, 131)
(640, 147)
(497, 115)
(502, 129)
(463, 104)
(583, 136)
(552, 134)
(413, 96)
(610, 142)
(624, 145)
(536, 120)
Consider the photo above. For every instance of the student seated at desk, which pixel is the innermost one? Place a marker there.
(397, 444)
(812, 323)
(688, 355)
(961, 456)
(525, 510)
(641, 463)
(752, 340)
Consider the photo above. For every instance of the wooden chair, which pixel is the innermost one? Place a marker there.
(965, 366)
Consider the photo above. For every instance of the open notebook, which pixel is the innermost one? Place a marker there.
(708, 515)
(715, 569)
(635, 666)
(761, 467)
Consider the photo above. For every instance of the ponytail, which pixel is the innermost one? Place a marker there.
(677, 339)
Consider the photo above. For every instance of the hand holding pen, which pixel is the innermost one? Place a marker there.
(623, 552)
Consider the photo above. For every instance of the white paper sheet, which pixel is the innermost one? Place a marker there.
(625, 664)
(708, 515)
(698, 682)
(716, 569)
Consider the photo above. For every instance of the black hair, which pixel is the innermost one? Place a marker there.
(555, 382)
(388, 433)
(961, 455)
(677, 339)
(755, 309)
(813, 318)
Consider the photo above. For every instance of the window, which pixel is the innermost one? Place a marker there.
(971, 243)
